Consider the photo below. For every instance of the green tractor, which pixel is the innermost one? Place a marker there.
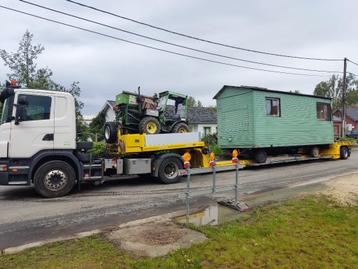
(136, 113)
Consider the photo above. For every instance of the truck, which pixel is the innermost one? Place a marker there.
(38, 147)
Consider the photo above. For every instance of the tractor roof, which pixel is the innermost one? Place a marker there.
(174, 94)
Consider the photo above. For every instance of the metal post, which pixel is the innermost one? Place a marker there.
(187, 195)
(344, 98)
(214, 180)
(236, 183)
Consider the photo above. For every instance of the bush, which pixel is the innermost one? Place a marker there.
(99, 149)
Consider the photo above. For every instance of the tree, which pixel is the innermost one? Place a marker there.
(194, 103)
(23, 67)
(97, 124)
(333, 88)
(22, 63)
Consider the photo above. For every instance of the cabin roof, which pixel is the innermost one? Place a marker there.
(266, 90)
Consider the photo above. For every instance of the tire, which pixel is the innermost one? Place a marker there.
(168, 171)
(110, 132)
(54, 179)
(260, 156)
(344, 152)
(149, 125)
(181, 127)
(315, 152)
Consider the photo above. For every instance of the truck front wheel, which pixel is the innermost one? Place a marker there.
(54, 179)
(169, 170)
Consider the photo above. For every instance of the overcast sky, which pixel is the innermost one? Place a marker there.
(105, 67)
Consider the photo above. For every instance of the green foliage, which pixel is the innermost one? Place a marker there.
(23, 67)
(211, 140)
(305, 233)
(99, 149)
(96, 126)
(22, 63)
(194, 103)
(333, 88)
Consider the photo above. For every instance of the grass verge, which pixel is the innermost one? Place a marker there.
(313, 232)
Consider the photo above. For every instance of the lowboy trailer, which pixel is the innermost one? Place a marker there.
(38, 147)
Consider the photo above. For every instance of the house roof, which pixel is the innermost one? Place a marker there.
(266, 90)
(197, 115)
(352, 112)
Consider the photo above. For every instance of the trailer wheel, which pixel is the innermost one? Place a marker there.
(344, 152)
(181, 127)
(110, 132)
(260, 156)
(54, 179)
(149, 125)
(169, 170)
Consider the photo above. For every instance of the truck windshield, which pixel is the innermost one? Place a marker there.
(7, 109)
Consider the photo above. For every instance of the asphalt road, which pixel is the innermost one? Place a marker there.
(25, 217)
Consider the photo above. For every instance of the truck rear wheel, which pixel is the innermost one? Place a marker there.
(149, 125)
(169, 170)
(54, 179)
(344, 152)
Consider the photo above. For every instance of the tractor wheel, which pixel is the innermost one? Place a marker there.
(110, 132)
(149, 125)
(181, 127)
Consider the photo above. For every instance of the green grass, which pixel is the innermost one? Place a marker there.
(308, 233)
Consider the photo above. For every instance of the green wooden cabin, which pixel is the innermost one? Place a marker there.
(252, 117)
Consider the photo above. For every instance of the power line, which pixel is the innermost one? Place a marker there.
(352, 62)
(156, 48)
(201, 39)
(177, 45)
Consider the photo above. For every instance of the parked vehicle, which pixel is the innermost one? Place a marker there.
(136, 113)
(353, 134)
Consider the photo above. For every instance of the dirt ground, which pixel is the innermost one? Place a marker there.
(344, 189)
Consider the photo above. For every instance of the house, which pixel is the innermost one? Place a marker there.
(108, 109)
(253, 117)
(351, 120)
(201, 119)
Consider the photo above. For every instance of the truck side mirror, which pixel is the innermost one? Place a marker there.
(20, 109)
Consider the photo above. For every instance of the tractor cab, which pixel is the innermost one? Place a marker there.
(173, 106)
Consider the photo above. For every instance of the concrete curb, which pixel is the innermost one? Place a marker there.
(13, 250)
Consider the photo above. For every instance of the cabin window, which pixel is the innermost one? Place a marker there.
(273, 107)
(323, 111)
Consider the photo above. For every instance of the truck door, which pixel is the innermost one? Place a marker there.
(35, 132)
(6, 118)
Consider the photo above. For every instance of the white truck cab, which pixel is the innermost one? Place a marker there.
(38, 140)
(30, 119)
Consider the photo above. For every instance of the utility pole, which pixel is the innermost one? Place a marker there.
(344, 97)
